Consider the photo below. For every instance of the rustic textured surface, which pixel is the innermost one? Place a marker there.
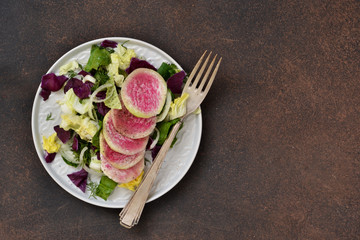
(279, 156)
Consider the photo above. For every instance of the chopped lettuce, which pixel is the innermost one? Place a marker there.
(98, 57)
(119, 79)
(120, 60)
(113, 100)
(70, 66)
(72, 103)
(82, 125)
(178, 107)
(125, 55)
(113, 69)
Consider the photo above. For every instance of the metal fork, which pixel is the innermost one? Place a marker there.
(197, 91)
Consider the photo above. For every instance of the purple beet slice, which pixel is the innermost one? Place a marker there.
(144, 92)
(119, 160)
(118, 142)
(121, 175)
(131, 126)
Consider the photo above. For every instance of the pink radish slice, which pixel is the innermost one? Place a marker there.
(120, 143)
(131, 126)
(119, 160)
(121, 175)
(144, 92)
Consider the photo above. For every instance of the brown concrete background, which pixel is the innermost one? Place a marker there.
(279, 155)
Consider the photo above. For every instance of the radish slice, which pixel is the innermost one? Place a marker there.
(166, 108)
(144, 92)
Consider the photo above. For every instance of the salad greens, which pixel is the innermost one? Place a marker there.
(92, 186)
(49, 117)
(69, 68)
(96, 138)
(98, 57)
(51, 144)
(85, 127)
(178, 107)
(69, 162)
(166, 70)
(101, 78)
(73, 104)
(106, 187)
(164, 129)
(112, 100)
(89, 93)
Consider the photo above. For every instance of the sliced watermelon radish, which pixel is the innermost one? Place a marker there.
(119, 160)
(131, 126)
(121, 175)
(118, 142)
(166, 108)
(144, 92)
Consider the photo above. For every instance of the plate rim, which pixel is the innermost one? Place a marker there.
(41, 155)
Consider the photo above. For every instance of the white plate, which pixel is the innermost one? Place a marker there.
(177, 162)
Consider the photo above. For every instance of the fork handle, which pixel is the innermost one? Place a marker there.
(131, 213)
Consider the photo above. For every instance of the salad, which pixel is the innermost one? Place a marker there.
(92, 94)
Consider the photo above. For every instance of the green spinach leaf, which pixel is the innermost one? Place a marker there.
(105, 187)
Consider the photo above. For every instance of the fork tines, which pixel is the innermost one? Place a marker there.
(195, 83)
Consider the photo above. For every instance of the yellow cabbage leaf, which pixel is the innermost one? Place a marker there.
(178, 107)
(50, 144)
